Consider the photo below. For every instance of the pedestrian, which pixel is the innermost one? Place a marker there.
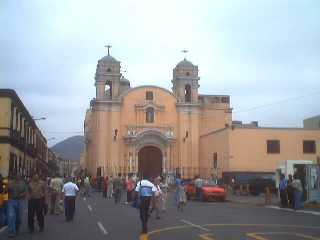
(198, 184)
(124, 189)
(181, 197)
(117, 187)
(290, 192)
(145, 190)
(130, 184)
(70, 191)
(283, 191)
(17, 190)
(36, 194)
(105, 187)
(297, 186)
(87, 186)
(56, 185)
(110, 187)
(164, 188)
(157, 197)
(2, 203)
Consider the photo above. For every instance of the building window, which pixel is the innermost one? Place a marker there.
(309, 146)
(273, 146)
(150, 115)
(215, 160)
(187, 92)
(149, 95)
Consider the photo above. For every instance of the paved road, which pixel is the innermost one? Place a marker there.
(97, 218)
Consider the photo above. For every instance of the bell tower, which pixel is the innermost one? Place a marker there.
(107, 78)
(185, 82)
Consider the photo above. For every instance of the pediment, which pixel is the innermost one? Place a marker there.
(156, 107)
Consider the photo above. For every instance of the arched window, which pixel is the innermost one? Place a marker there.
(187, 93)
(150, 115)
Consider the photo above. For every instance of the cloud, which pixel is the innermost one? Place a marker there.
(258, 52)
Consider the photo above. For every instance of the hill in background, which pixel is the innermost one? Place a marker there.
(70, 148)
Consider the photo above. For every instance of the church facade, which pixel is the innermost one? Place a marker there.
(149, 130)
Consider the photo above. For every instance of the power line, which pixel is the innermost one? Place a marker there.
(278, 102)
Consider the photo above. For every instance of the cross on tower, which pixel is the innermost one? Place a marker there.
(108, 46)
(185, 53)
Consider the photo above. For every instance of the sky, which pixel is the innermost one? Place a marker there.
(265, 54)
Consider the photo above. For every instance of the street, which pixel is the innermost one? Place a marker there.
(98, 218)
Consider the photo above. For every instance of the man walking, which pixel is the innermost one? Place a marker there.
(145, 190)
(198, 184)
(56, 185)
(17, 190)
(70, 191)
(36, 199)
(117, 187)
(283, 191)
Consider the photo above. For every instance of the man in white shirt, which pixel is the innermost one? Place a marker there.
(146, 190)
(70, 191)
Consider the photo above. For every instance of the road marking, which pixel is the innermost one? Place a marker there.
(104, 231)
(90, 208)
(291, 210)
(194, 225)
(144, 237)
(180, 227)
(3, 229)
(84, 199)
(207, 236)
(257, 236)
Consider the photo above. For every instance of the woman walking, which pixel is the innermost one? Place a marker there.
(181, 197)
(105, 187)
(164, 188)
(157, 197)
(110, 188)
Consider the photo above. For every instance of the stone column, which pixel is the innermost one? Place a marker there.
(100, 90)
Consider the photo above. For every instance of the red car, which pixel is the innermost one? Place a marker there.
(210, 190)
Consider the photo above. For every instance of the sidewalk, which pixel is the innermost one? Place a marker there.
(253, 200)
(260, 201)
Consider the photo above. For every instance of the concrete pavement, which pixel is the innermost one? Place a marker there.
(98, 218)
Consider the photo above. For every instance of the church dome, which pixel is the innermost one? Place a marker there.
(109, 59)
(185, 64)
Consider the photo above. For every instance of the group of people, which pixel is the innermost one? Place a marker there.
(291, 192)
(36, 192)
(57, 195)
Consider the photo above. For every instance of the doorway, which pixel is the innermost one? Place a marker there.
(150, 161)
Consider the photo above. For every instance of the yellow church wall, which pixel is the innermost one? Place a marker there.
(218, 142)
(213, 118)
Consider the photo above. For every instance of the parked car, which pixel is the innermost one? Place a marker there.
(210, 190)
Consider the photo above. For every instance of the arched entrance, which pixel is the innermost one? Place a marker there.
(150, 161)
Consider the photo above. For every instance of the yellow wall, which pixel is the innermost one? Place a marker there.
(248, 148)
(4, 159)
(5, 114)
(211, 143)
